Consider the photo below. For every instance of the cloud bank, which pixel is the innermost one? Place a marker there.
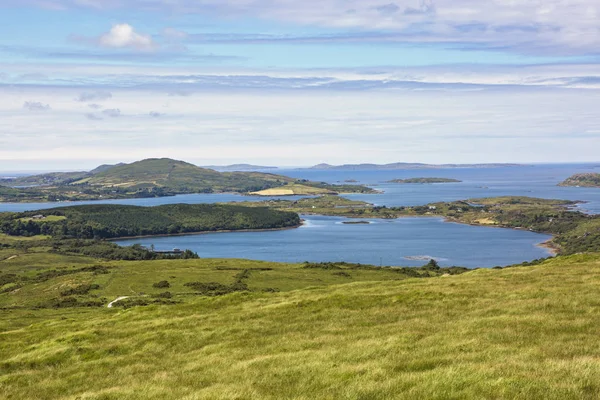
(549, 26)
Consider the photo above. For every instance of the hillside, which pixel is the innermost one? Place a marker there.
(106, 221)
(180, 176)
(52, 178)
(584, 180)
(104, 167)
(226, 329)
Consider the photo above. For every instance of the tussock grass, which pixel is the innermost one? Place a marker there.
(527, 332)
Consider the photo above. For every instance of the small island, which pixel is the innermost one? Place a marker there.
(356, 222)
(424, 180)
(582, 180)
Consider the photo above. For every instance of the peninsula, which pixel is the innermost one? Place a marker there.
(573, 231)
(582, 180)
(110, 221)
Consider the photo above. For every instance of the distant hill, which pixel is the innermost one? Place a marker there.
(158, 177)
(104, 167)
(585, 180)
(49, 179)
(425, 180)
(54, 178)
(400, 165)
(180, 177)
(239, 167)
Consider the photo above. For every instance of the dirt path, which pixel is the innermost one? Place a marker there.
(115, 300)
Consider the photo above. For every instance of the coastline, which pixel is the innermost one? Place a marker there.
(206, 232)
(550, 246)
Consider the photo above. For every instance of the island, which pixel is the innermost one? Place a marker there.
(240, 167)
(582, 180)
(424, 180)
(157, 178)
(404, 165)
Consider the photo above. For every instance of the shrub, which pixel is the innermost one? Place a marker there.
(162, 285)
(79, 290)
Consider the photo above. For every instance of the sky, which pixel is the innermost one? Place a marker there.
(296, 83)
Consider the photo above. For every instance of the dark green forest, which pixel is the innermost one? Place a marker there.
(108, 221)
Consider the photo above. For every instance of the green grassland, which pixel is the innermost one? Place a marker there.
(296, 331)
(36, 277)
(239, 329)
(585, 180)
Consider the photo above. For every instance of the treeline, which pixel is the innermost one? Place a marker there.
(111, 251)
(108, 221)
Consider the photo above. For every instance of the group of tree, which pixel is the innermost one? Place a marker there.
(114, 221)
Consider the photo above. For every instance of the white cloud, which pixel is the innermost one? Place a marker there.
(123, 36)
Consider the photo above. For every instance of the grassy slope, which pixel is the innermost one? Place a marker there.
(178, 175)
(45, 179)
(527, 333)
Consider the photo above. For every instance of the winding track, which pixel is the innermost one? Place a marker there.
(115, 300)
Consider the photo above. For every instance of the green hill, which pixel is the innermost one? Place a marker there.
(586, 180)
(180, 176)
(156, 178)
(234, 329)
(52, 178)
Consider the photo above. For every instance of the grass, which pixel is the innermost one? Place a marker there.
(527, 332)
(4, 238)
(137, 278)
(49, 218)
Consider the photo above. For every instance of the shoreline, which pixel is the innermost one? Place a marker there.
(206, 232)
(549, 245)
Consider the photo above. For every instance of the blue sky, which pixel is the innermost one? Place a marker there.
(84, 82)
